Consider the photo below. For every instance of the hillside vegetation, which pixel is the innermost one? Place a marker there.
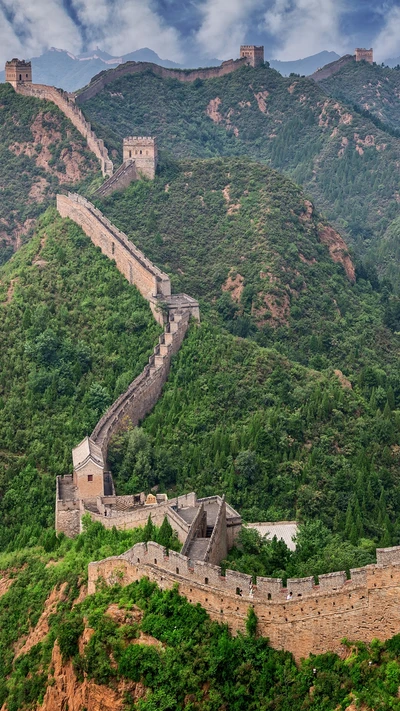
(247, 242)
(371, 88)
(73, 335)
(342, 158)
(141, 648)
(40, 150)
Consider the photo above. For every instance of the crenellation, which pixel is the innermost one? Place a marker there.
(332, 581)
(299, 586)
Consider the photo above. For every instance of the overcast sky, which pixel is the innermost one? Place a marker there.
(289, 29)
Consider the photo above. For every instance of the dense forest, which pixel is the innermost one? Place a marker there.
(40, 150)
(370, 88)
(246, 242)
(151, 650)
(73, 335)
(346, 162)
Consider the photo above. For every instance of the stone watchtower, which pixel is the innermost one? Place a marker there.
(18, 72)
(143, 150)
(365, 54)
(253, 54)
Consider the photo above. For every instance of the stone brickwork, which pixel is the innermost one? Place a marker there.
(366, 55)
(254, 55)
(99, 82)
(18, 72)
(314, 620)
(67, 105)
(120, 180)
(143, 150)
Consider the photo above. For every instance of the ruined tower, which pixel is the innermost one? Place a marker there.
(253, 54)
(143, 150)
(365, 54)
(18, 72)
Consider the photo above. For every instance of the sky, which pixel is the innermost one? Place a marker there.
(178, 29)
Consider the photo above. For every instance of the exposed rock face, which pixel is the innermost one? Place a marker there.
(337, 249)
(42, 628)
(66, 692)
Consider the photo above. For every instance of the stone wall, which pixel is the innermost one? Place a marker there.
(67, 105)
(130, 261)
(315, 620)
(98, 83)
(120, 180)
(217, 548)
(143, 393)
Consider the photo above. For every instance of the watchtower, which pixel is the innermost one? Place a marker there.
(366, 55)
(253, 54)
(18, 72)
(143, 150)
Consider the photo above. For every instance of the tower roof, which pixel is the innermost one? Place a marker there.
(87, 449)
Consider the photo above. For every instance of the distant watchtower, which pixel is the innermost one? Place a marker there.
(18, 72)
(143, 150)
(365, 54)
(253, 54)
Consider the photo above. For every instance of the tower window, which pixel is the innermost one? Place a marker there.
(90, 477)
(20, 77)
(140, 152)
(130, 154)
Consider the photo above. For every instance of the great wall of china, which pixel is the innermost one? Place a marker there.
(301, 618)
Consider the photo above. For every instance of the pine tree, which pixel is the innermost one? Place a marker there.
(149, 531)
(165, 533)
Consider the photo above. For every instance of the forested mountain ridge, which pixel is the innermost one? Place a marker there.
(73, 335)
(248, 243)
(342, 158)
(370, 87)
(40, 150)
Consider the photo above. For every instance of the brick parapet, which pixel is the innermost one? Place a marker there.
(67, 105)
(315, 620)
(98, 83)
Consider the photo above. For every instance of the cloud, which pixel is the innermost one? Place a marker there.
(223, 27)
(29, 26)
(387, 42)
(127, 25)
(305, 27)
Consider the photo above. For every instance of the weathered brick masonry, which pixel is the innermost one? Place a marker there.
(314, 620)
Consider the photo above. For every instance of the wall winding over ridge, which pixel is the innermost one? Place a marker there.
(98, 83)
(130, 261)
(315, 620)
(75, 115)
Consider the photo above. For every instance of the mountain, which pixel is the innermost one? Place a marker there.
(40, 151)
(60, 68)
(305, 66)
(370, 87)
(244, 418)
(347, 164)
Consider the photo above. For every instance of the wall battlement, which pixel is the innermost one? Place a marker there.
(314, 620)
